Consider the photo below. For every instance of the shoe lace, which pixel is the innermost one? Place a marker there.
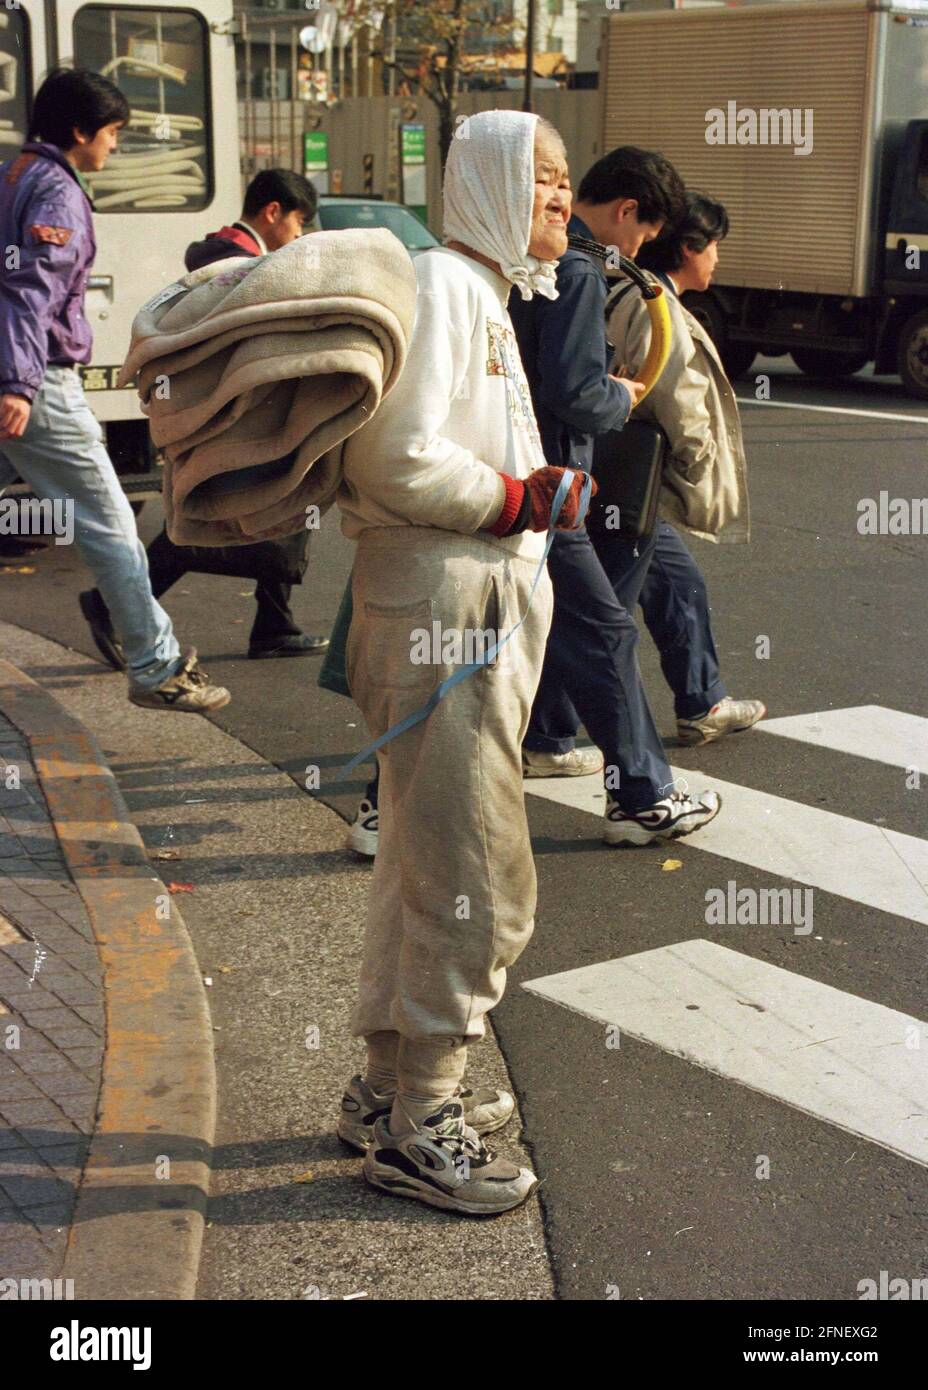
(195, 675)
(456, 1136)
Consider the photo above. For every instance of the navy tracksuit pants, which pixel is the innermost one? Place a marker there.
(591, 672)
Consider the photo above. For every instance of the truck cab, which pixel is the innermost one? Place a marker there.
(174, 177)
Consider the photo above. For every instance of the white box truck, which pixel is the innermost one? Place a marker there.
(174, 177)
(809, 121)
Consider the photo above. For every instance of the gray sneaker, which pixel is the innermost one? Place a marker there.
(579, 762)
(485, 1110)
(446, 1164)
(187, 690)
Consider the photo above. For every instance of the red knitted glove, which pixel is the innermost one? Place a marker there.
(528, 502)
(541, 487)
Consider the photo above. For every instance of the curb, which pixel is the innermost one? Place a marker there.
(133, 1235)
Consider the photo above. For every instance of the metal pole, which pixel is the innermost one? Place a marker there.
(528, 99)
(294, 152)
(249, 107)
(272, 92)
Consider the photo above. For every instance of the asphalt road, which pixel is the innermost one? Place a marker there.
(669, 1170)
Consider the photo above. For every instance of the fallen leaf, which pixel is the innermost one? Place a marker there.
(236, 621)
(180, 887)
(166, 854)
(226, 969)
(670, 864)
(308, 1176)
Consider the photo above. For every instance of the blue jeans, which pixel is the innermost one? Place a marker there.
(675, 605)
(591, 674)
(661, 575)
(62, 456)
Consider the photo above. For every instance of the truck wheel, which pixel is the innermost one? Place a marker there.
(737, 358)
(913, 354)
(828, 366)
(707, 311)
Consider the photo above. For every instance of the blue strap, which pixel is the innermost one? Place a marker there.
(462, 673)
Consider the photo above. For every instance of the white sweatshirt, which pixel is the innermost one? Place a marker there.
(460, 414)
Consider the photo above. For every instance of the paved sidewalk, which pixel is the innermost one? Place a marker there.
(274, 905)
(51, 1026)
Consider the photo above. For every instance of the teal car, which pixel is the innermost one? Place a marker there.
(335, 214)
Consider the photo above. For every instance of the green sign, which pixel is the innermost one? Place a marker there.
(316, 158)
(412, 163)
(413, 144)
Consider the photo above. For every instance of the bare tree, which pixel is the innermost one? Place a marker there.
(434, 41)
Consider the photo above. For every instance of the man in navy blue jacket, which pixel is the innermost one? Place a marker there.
(48, 434)
(591, 663)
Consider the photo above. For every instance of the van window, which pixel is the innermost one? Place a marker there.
(921, 168)
(14, 80)
(158, 59)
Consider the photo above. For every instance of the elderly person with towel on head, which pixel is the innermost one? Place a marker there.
(446, 492)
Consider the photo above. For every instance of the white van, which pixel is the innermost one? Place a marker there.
(175, 177)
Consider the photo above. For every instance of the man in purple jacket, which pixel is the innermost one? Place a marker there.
(48, 434)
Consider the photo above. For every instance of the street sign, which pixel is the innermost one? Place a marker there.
(413, 168)
(316, 158)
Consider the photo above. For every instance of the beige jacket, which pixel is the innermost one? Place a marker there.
(705, 477)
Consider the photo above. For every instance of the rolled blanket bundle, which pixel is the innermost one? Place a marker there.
(253, 370)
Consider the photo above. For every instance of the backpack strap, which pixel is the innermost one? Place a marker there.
(615, 295)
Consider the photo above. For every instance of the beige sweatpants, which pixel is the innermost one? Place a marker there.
(453, 895)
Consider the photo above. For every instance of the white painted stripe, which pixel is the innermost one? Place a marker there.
(832, 1055)
(789, 840)
(867, 731)
(836, 410)
(908, 238)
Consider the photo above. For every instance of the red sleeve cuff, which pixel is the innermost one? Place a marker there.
(515, 491)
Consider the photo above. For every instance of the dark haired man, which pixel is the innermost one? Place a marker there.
(591, 662)
(277, 206)
(48, 434)
(705, 488)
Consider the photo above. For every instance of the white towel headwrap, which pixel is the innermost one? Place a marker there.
(489, 192)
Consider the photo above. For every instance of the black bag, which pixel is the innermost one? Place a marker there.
(282, 561)
(628, 465)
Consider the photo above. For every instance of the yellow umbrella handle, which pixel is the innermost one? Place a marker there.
(659, 349)
(652, 292)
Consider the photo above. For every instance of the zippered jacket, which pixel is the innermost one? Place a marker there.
(48, 249)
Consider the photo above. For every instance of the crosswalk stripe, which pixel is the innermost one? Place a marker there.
(838, 1057)
(867, 731)
(869, 864)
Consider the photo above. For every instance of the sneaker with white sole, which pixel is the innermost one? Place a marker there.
(727, 717)
(188, 690)
(485, 1110)
(364, 830)
(675, 815)
(579, 762)
(446, 1164)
